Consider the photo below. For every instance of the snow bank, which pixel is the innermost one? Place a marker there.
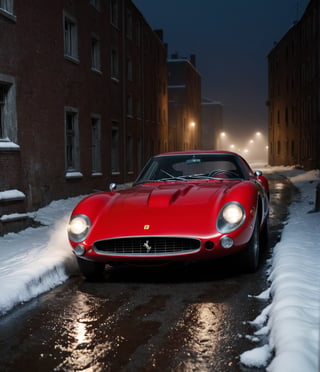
(292, 320)
(37, 259)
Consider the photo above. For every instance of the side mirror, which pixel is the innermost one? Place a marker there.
(112, 186)
(258, 173)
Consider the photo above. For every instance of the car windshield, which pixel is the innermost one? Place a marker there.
(183, 167)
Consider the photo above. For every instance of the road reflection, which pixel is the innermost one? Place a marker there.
(79, 329)
(204, 336)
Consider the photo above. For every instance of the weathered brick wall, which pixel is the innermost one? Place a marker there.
(10, 170)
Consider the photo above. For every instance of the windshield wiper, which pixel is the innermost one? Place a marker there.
(180, 178)
(198, 177)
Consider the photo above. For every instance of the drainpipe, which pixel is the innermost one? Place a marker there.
(124, 91)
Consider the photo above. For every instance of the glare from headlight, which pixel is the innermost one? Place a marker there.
(78, 228)
(230, 217)
(232, 214)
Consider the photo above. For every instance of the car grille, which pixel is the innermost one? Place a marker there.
(147, 246)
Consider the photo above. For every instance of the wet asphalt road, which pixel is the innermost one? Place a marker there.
(176, 318)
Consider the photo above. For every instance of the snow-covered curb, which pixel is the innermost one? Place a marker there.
(291, 323)
(36, 259)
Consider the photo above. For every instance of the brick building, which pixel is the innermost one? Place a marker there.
(211, 124)
(294, 93)
(184, 106)
(83, 98)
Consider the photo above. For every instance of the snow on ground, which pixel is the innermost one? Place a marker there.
(291, 321)
(37, 259)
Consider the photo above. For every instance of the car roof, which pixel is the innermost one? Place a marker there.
(198, 152)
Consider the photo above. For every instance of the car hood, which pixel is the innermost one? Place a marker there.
(172, 195)
(173, 209)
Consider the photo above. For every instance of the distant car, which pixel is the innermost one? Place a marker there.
(184, 206)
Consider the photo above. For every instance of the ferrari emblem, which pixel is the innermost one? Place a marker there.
(146, 227)
(147, 246)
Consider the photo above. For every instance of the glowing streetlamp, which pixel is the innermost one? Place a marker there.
(192, 133)
(221, 139)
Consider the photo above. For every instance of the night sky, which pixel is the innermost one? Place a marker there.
(231, 40)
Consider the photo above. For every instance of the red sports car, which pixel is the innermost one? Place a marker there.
(184, 206)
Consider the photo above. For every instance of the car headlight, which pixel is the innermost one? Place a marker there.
(78, 228)
(231, 217)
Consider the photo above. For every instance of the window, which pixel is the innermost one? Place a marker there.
(139, 109)
(95, 4)
(129, 69)
(138, 34)
(139, 153)
(114, 12)
(115, 168)
(292, 148)
(95, 54)
(114, 64)
(8, 112)
(129, 154)
(129, 105)
(72, 140)
(3, 95)
(129, 25)
(7, 6)
(278, 147)
(96, 144)
(70, 38)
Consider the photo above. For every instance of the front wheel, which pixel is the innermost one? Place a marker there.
(251, 254)
(90, 269)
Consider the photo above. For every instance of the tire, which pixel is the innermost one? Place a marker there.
(251, 255)
(90, 269)
(264, 235)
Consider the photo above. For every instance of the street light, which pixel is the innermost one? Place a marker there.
(192, 130)
(221, 140)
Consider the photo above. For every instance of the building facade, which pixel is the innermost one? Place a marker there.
(83, 98)
(294, 93)
(211, 124)
(184, 105)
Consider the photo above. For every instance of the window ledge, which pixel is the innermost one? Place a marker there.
(11, 195)
(6, 145)
(97, 174)
(72, 59)
(96, 70)
(13, 217)
(10, 16)
(73, 175)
